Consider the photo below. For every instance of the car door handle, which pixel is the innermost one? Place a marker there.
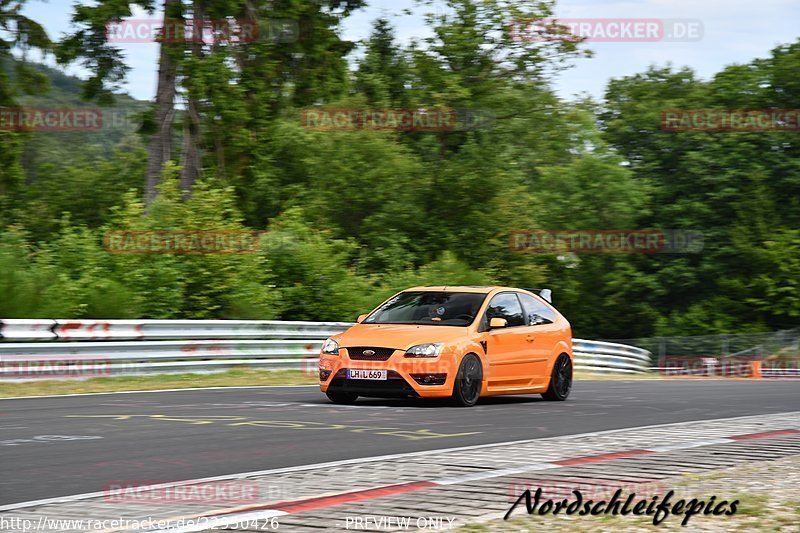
(530, 338)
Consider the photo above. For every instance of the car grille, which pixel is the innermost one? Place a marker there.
(381, 354)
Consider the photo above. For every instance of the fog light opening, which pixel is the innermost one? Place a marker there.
(430, 379)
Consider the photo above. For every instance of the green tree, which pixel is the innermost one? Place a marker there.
(382, 73)
(18, 34)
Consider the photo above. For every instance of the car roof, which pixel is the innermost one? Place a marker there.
(481, 289)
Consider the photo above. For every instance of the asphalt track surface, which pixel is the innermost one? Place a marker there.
(173, 436)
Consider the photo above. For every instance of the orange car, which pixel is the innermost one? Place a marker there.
(460, 342)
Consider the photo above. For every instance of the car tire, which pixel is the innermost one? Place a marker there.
(342, 398)
(560, 380)
(467, 385)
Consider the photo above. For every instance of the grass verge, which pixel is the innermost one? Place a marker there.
(230, 378)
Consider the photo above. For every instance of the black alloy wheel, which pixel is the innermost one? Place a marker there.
(560, 380)
(467, 387)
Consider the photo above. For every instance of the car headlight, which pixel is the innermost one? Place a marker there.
(331, 347)
(431, 349)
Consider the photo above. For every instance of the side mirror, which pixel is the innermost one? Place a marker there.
(361, 318)
(498, 323)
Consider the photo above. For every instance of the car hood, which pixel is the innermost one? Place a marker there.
(398, 336)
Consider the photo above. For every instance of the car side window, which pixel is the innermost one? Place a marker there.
(535, 311)
(506, 305)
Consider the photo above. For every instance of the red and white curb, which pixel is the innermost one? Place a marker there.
(223, 518)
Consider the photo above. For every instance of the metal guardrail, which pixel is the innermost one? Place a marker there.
(607, 357)
(783, 343)
(90, 348)
(27, 329)
(79, 330)
(776, 370)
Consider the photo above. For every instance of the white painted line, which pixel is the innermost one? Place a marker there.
(159, 390)
(361, 460)
(256, 520)
(689, 444)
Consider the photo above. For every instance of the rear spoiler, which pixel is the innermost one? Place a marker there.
(546, 294)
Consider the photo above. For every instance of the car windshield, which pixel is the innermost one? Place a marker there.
(429, 308)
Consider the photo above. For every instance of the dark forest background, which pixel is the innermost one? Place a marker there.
(355, 216)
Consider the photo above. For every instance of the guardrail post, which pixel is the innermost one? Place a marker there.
(755, 369)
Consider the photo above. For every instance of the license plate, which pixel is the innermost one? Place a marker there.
(377, 375)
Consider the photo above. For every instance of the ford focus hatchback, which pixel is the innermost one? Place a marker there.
(458, 342)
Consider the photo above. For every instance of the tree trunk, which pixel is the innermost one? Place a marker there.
(159, 147)
(191, 165)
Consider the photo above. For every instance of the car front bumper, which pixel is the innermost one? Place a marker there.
(406, 376)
